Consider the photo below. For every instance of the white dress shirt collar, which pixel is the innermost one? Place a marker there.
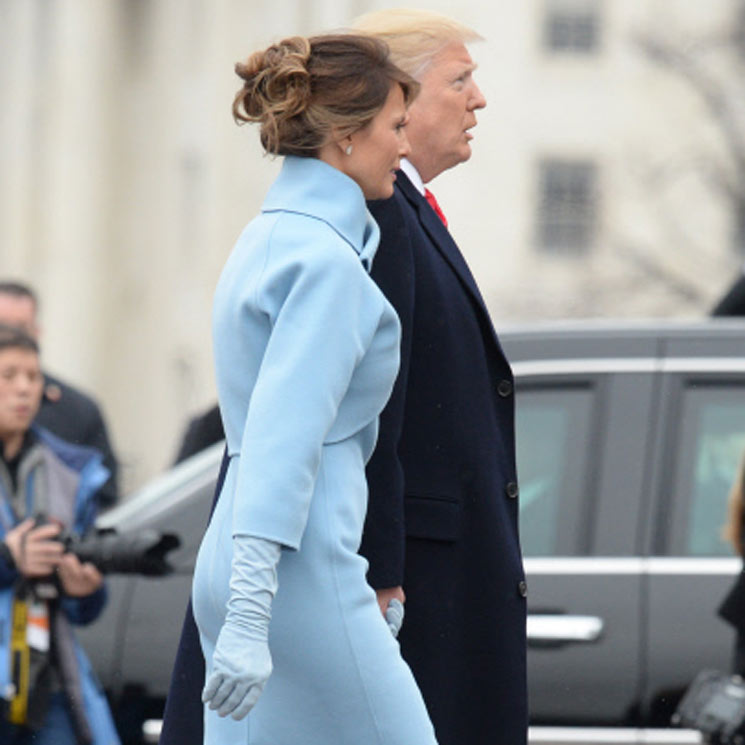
(409, 169)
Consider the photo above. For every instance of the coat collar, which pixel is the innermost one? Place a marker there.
(308, 186)
(440, 236)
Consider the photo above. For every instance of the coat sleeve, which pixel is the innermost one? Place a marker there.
(85, 610)
(323, 311)
(81, 611)
(383, 540)
(8, 571)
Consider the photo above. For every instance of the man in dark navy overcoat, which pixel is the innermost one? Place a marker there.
(442, 530)
(442, 512)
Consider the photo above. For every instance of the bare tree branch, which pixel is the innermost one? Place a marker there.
(646, 264)
(709, 90)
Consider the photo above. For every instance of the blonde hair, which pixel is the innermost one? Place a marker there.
(733, 529)
(300, 90)
(415, 37)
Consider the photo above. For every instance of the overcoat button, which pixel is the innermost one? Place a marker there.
(504, 388)
(53, 393)
(522, 588)
(512, 489)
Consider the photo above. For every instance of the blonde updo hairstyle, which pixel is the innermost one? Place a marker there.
(301, 91)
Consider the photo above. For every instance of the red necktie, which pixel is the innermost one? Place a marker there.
(430, 197)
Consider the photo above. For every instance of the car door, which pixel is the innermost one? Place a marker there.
(582, 435)
(703, 434)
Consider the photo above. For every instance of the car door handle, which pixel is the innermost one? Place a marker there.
(557, 629)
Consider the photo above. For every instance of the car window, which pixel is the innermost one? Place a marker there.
(711, 441)
(552, 430)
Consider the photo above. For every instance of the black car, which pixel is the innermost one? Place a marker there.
(629, 437)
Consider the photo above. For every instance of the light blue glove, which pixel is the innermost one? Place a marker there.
(241, 664)
(394, 616)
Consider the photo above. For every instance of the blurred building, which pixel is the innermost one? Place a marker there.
(600, 167)
(601, 183)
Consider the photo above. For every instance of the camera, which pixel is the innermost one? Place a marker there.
(133, 552)
(142, 552)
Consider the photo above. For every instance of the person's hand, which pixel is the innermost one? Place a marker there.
(78, 580)
(240, 670)
(391, 601)
(394, 616)
(34, 550)
(241, 663)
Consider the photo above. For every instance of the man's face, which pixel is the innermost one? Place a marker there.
(21, 386)
(19, 312)
(444, 112)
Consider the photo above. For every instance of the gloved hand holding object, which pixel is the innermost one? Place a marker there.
(242, 664)
(394, 616)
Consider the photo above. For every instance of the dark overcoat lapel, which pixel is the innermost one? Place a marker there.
(442, 240)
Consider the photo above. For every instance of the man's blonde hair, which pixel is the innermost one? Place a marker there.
(414, 37)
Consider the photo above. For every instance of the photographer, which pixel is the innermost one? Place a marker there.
(48, 693)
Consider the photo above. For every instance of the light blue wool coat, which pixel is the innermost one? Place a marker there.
(306, 352)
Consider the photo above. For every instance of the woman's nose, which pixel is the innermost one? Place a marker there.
(404, 146)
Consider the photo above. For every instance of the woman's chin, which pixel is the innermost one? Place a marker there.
(384, 192)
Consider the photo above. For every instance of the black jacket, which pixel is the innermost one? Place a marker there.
(443, 507)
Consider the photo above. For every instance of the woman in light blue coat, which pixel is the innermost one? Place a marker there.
(306, 352)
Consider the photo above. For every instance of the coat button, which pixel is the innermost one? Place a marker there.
(512, 489)
(504, 388)
(522, 589)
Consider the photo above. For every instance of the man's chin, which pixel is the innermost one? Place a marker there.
(461, 156)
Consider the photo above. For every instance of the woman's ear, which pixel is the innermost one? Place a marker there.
(337, 150)
(343, 140)
(345, 144)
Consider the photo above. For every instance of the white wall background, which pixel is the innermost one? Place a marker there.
(124, 181)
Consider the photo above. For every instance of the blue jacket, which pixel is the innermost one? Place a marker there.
(77, 473)
(294, 295)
